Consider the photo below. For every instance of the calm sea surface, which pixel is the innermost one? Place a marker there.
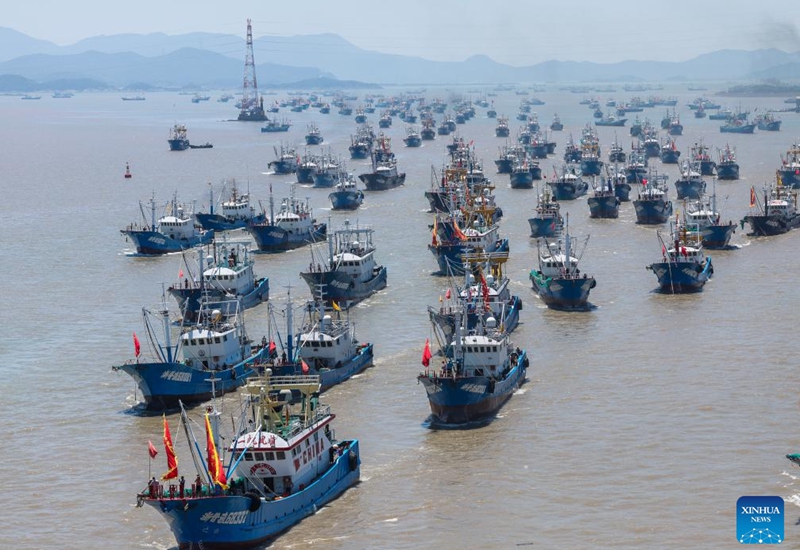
(641, 424)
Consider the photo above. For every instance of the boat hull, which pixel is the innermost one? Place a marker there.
(743, 129)
(681, 277)
(727, 171)
(463, 400)
(604, 207)
(690, 189)
(375, 181)
(340, 287)
(521, 179)
(359, 152)
(717, 236)
(768, 226)
(155, 243)
(165, 385)
(545, 227)
(324, 179)
(568, 191)
(217, 222)
(178, 144)
(790, 177)
(651, 212)
(232, 522)
(346, 200)
(591, 167)
(271, 238)
(570, 294)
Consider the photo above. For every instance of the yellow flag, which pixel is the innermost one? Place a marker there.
(336, 306)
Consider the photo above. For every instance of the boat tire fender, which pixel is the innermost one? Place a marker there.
(255, 501)
(352, 457)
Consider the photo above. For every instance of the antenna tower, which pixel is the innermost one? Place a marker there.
(252, 103)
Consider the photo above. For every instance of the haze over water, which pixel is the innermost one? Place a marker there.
(641, 424)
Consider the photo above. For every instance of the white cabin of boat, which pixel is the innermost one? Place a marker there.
(216, 344)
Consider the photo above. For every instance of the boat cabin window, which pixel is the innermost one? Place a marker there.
(281, 455)
(248, 457)
(269, 456)
(217, 340)
(258, 456)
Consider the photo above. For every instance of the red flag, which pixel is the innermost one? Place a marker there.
(137, 349)
(485, 291)
(304, 366)
(172, 459)
(272, 347)
(151, 449)
(426, 353)
(752, 197)
(447, 294)
(214, 463)
(180, 274)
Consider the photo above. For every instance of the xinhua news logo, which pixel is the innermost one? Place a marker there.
(759, 520)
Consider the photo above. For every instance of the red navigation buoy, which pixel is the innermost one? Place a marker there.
(128, 171)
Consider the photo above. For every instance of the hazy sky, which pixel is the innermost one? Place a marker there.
(516, 32)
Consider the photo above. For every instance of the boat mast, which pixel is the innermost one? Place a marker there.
(153, 212)
(210, 199)
(289, 323)
(165, 321)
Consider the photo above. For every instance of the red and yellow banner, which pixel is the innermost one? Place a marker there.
(172, 458)
(215, 468)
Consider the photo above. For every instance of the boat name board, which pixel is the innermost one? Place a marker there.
(225, 518)
(157, 240)
(473, 388)
(177, 376)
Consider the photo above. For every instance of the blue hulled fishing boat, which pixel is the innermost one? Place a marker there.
(213, 355)
(449, 242)
(502, 129)
(568, 185)
(177, 139)
(172, 232)
(384, 173)
(703, 215)
(737, 126)
(314, 135)
(413, 137)
(670, 154)
(727, 167)
(361, 142)
(768, 122)
(691, 184)
(328, 171)
(281, 469)
(790, 167)
(480, 372)
(485, 294)
(347, 195)
(350, 273)
(558, 281)
(774, 213)
(234, 212)
(286, 161)
(636, 169)
(653, 205)
(683, 267)
(218, 281)
(604, 202)
(294, 226)
(547, 220)
(699, 156)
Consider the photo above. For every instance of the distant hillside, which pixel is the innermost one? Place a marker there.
(209, 59)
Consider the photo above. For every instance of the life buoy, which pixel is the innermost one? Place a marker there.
(352, 457)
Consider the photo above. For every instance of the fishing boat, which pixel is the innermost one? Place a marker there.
(610, 120)
(274, 125)
(307, 167)
(280, 468)
(703, 215)
(443, 129)
(568, 185)
(484, 294)
(177, 139)
(603, 203)
(212, 355)
(616, 153)
(413, 137)
(591, 164)
(653, 205)
(699, 155)
(691, 184)
(428, 131)
(347, 195)
(572, 152)
(314, 135)
(650, 141)
(508, 157)
(286, 161)
(361, 116)
(328, 171)
(767, 122)
(558, 282)
(479, 373)
(727, 167)
(556, 125)
(523, 173)
(219, 280)
(206, 145)
(675, 128)
(384, 173)
(547, 220)
(737, 126)
(636, 169)
(670, 154)
(774, 213)
(790, 167)
(350, 273)
(172, 232)
(234, 212)
(683, 268)
(361, 142)
(385, 121)
(502, 129)
(449, 243)
(124, 98)
(294, 226)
